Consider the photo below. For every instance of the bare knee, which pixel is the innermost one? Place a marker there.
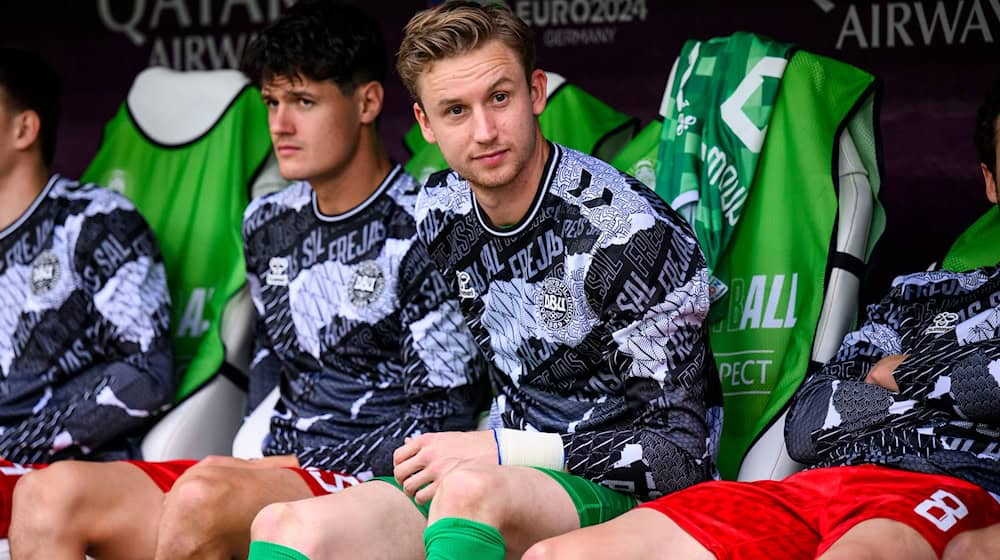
(50, 497)
(549, 549)
(197, 493)
(472, 493)
(192, 513)
(979, 544)
(283, 523)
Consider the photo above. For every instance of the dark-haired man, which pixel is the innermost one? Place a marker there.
(85, 362)
(585, 291)
(358, 326)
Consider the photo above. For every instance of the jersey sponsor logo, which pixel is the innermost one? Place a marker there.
(943, 322)
(366, 284)
(716, 289)
(278, 275)
(465, 289)
(45, 272)
(943, 509)
(645, 171)
(555, 304)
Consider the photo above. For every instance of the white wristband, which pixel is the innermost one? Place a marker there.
(530, 449)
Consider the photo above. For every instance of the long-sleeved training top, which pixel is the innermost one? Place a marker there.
(85, 357)
(359, 328)
(945, 418)
(591, 311)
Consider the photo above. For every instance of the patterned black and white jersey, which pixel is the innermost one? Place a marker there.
(592, 313)
(84, 317)
(367, 341)
(945, 419)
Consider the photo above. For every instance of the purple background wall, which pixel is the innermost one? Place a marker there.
(935, 58)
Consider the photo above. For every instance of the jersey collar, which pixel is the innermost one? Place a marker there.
(555, 152)
(393, 173)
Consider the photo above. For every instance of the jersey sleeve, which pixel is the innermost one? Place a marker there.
(653, 296)
(443, 376)
(835, 405)
(133, 378)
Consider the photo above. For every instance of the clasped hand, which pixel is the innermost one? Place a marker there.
(423, 460)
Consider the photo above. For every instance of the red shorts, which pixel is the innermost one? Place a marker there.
(320, 483)
(803, 515)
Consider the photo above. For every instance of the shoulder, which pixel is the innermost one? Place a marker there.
(614, 202)
(86, 206)
(445, 193)
(293, 197)
(929, 281)
(88, 198)
(403, 190)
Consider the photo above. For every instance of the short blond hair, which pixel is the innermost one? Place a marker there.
(458, 27)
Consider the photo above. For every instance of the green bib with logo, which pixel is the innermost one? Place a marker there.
(193, 193)
(779, 254)
(715, 123)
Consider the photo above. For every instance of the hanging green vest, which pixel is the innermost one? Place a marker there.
(718, 107)
(639, 157)
(572, 118)
(191, 183)
(779, 252)
(977, 246)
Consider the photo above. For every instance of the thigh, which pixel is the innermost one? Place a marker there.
(641, 534)
(236, 494)
(882, 539)
(743, 520)
(373, 520)
(934, 507)
(114, 508)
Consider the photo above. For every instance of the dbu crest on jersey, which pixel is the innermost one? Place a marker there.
(45, 272)
(554, 304)
(366, 284)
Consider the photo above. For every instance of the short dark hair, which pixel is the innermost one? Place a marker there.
(30, 83)
(986, 127)
(319, 40)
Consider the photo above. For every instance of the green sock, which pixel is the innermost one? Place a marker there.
(263, 550)
(453, 538)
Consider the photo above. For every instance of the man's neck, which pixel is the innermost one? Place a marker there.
(351, 185)
(18, 189)
(508, 204)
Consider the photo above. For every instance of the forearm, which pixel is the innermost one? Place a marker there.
(953, 376)
(828, 412)
(86, 414)
(372, 451)
(642, 462)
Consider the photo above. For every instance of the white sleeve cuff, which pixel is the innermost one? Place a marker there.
(530, 449)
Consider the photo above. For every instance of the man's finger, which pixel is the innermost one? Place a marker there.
(426, 493)
(418, 480)
(405, 451)
(407, 468)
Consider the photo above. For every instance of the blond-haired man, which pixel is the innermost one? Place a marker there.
(587, 294)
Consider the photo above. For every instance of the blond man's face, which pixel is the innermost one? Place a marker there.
(482, 113)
